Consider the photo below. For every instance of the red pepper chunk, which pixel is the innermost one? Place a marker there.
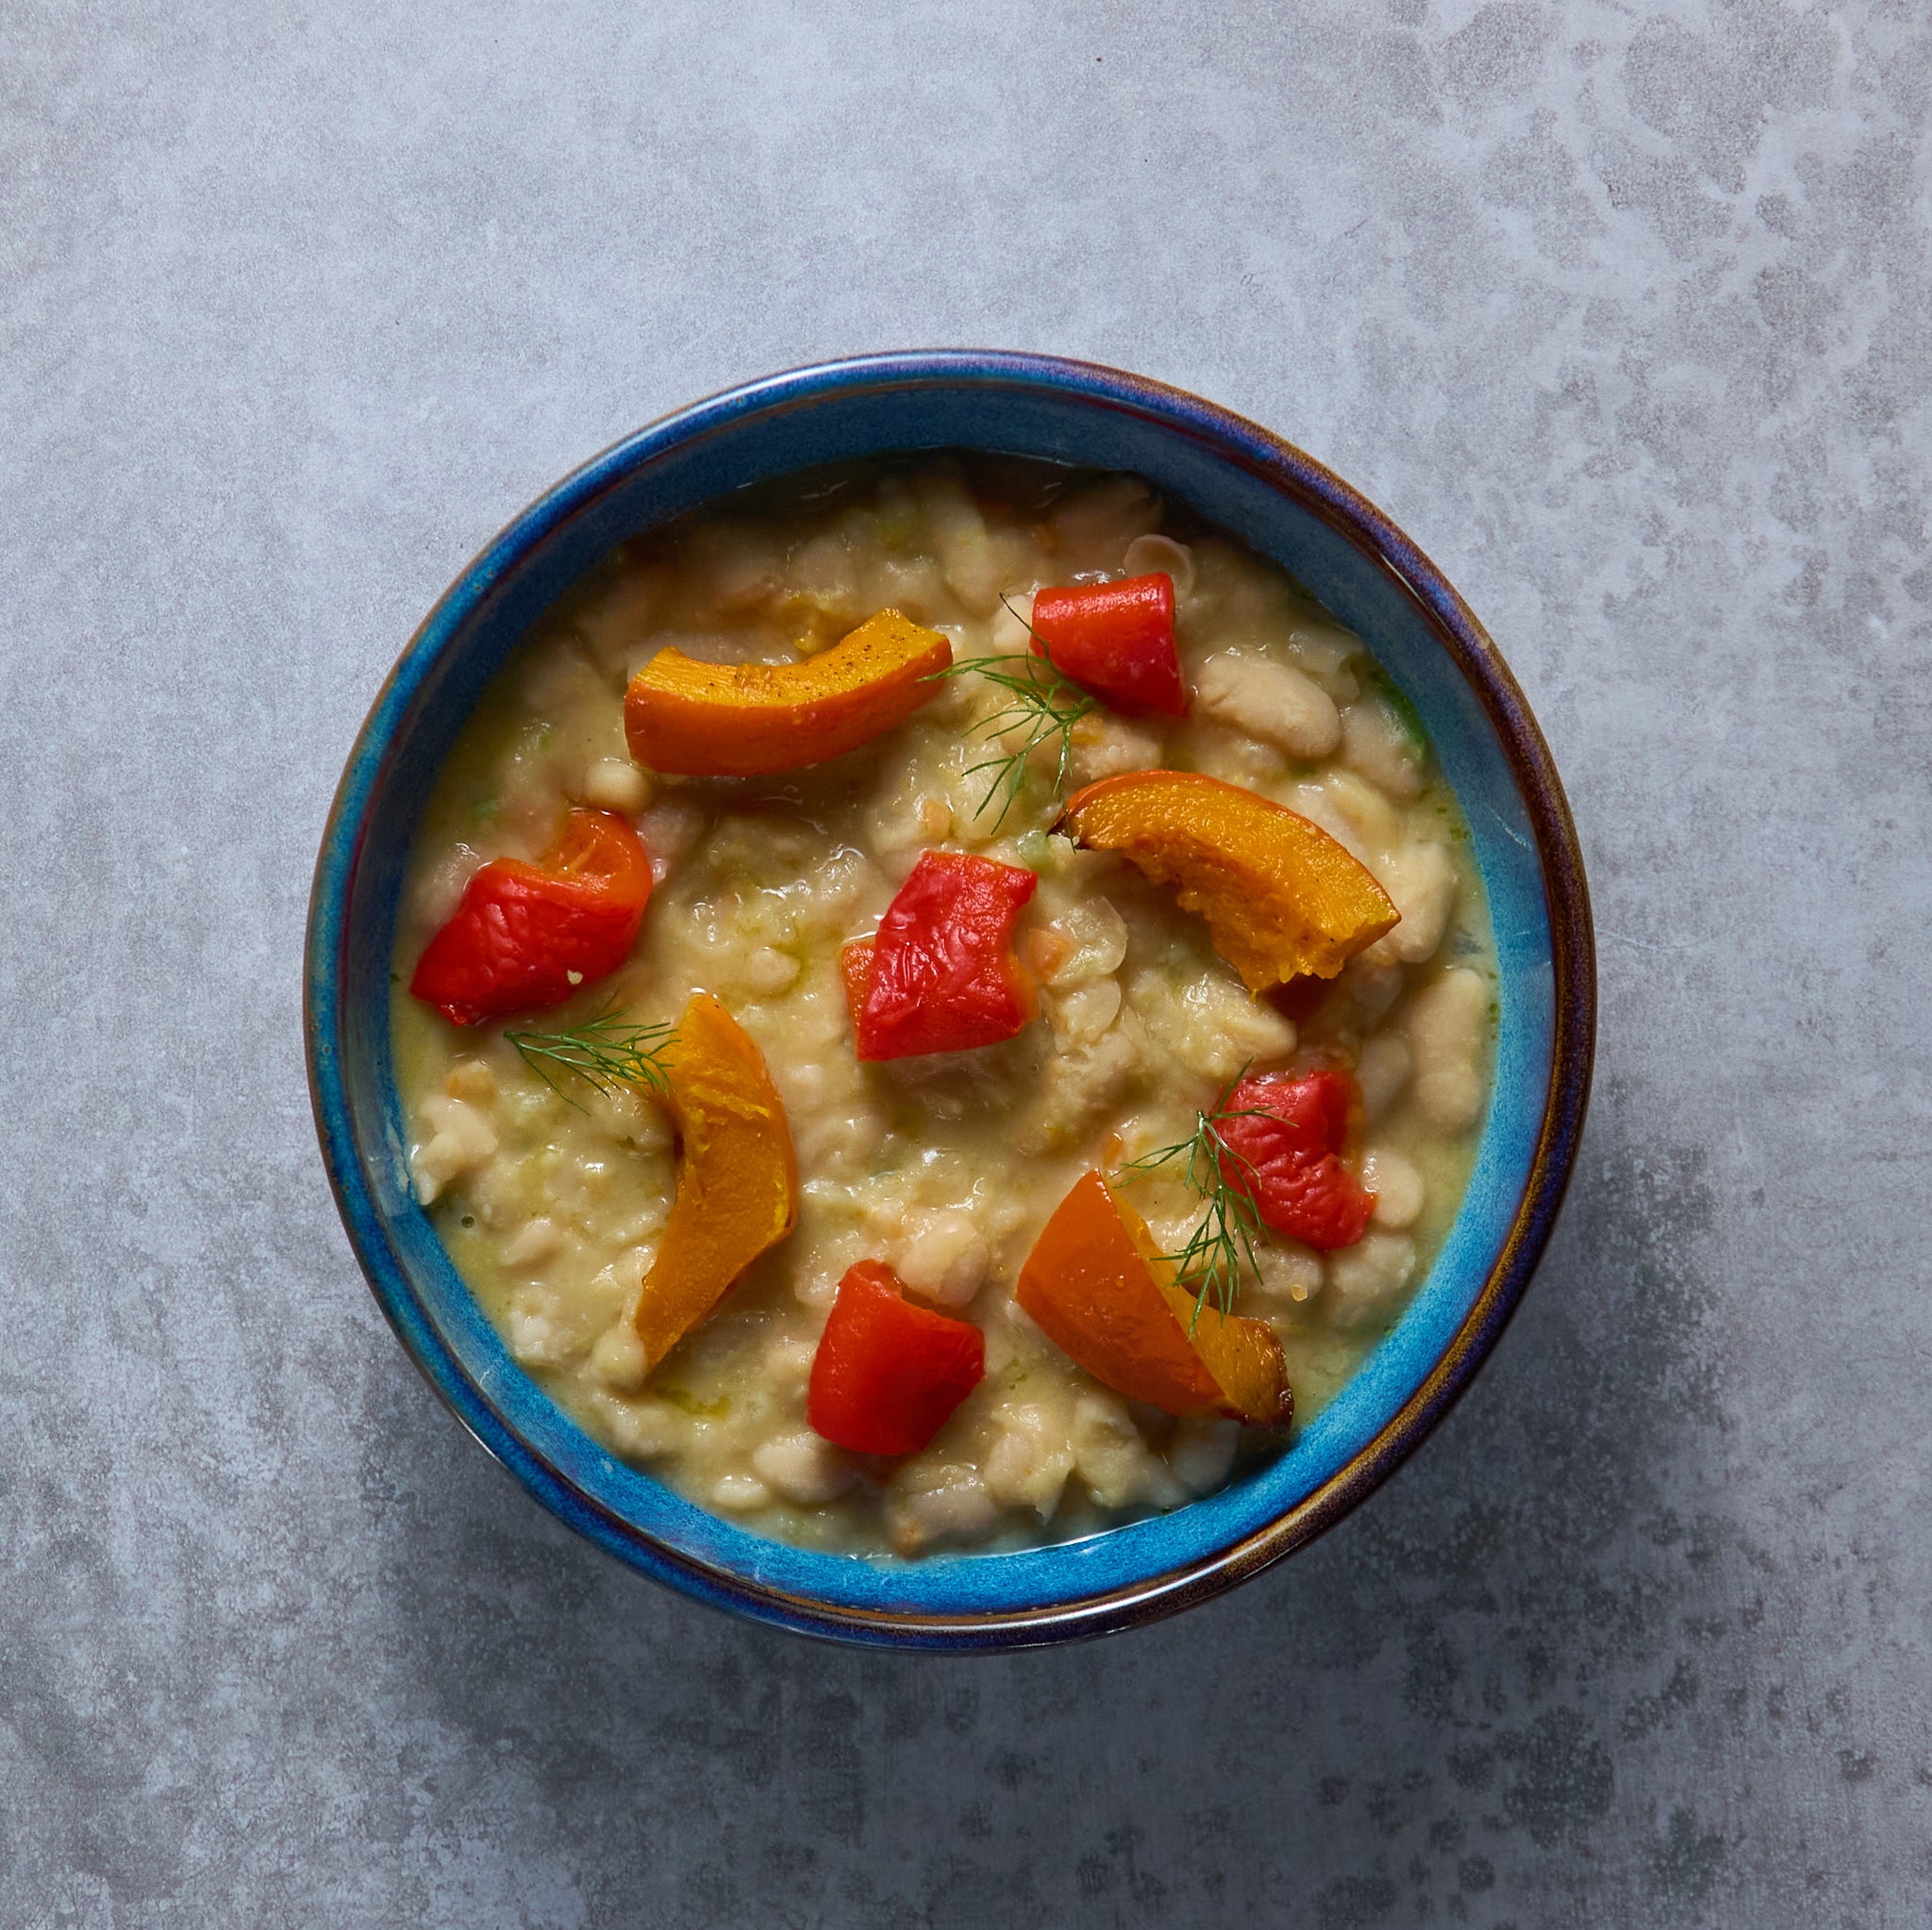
(941, 974)
(888, 1374)
(1115, 640)
(527, 935)
(1285, 1137)
(855, 973)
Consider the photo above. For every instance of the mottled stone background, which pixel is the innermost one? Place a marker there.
(1624, 311)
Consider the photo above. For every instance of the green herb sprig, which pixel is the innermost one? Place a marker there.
(1044, 705)
(610, 1051)
(1223, 1240)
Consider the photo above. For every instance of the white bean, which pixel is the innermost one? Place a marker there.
(1081, 1081)
(1446, 1027)
(530, 803)
(1081, 1015)
(669, 830)
(803, 1467)
(1288, 1272)
(1112, 1459)
(999, 1350)
(1422, 880)
(818, 1288)
(1397, 1184)
(533, 1243)
(1269, 700)
(1106, 746)
(538, 1331)
(645, 1429)
(433, 1165)
(1224, 1027)
(617, 1358)
(768, 971)
(1376, 742)
(786, 1364)
(910, 584)
(1095, 937)
(1317, 802)
(461, 1138)
(1382, 1074)
(1148, 556)
(1366, 1279)
(945, 1260)
(611, 626)
(1030, 1458)
(1373, 986)
(472, 1079)
(440, 890)
(1201, 1453)
(1321, 648)
(1373, 817)
(615, 784)
(557, 681)
(1237, 759)
(1103, 518)
(498, 1190)
(738, 1493)
(821, 571)
(611, 1294)
(959, 533)
(840, 886)
(742, 561)
(947, 1501)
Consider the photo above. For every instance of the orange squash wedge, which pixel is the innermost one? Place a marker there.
(1096, 1285)
(1281, 897)
(737, 1174)
(748, 719)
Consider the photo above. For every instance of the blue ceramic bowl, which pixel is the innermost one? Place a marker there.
(1365, 570)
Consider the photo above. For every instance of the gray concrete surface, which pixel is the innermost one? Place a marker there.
(1624, 311)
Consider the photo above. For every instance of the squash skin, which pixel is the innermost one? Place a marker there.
(751, 720)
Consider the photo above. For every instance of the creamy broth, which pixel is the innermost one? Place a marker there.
(551, 1201)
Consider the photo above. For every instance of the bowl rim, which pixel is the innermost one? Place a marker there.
(1318, 491)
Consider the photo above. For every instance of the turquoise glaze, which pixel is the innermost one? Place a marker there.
(1366, 570)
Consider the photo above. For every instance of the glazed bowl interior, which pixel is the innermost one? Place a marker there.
(1287, 508)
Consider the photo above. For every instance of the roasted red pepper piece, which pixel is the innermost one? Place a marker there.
(888, 1374)
(1115, 640)
(530, 935)
(942, 975)
(855, 971)
(1288, 1160)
